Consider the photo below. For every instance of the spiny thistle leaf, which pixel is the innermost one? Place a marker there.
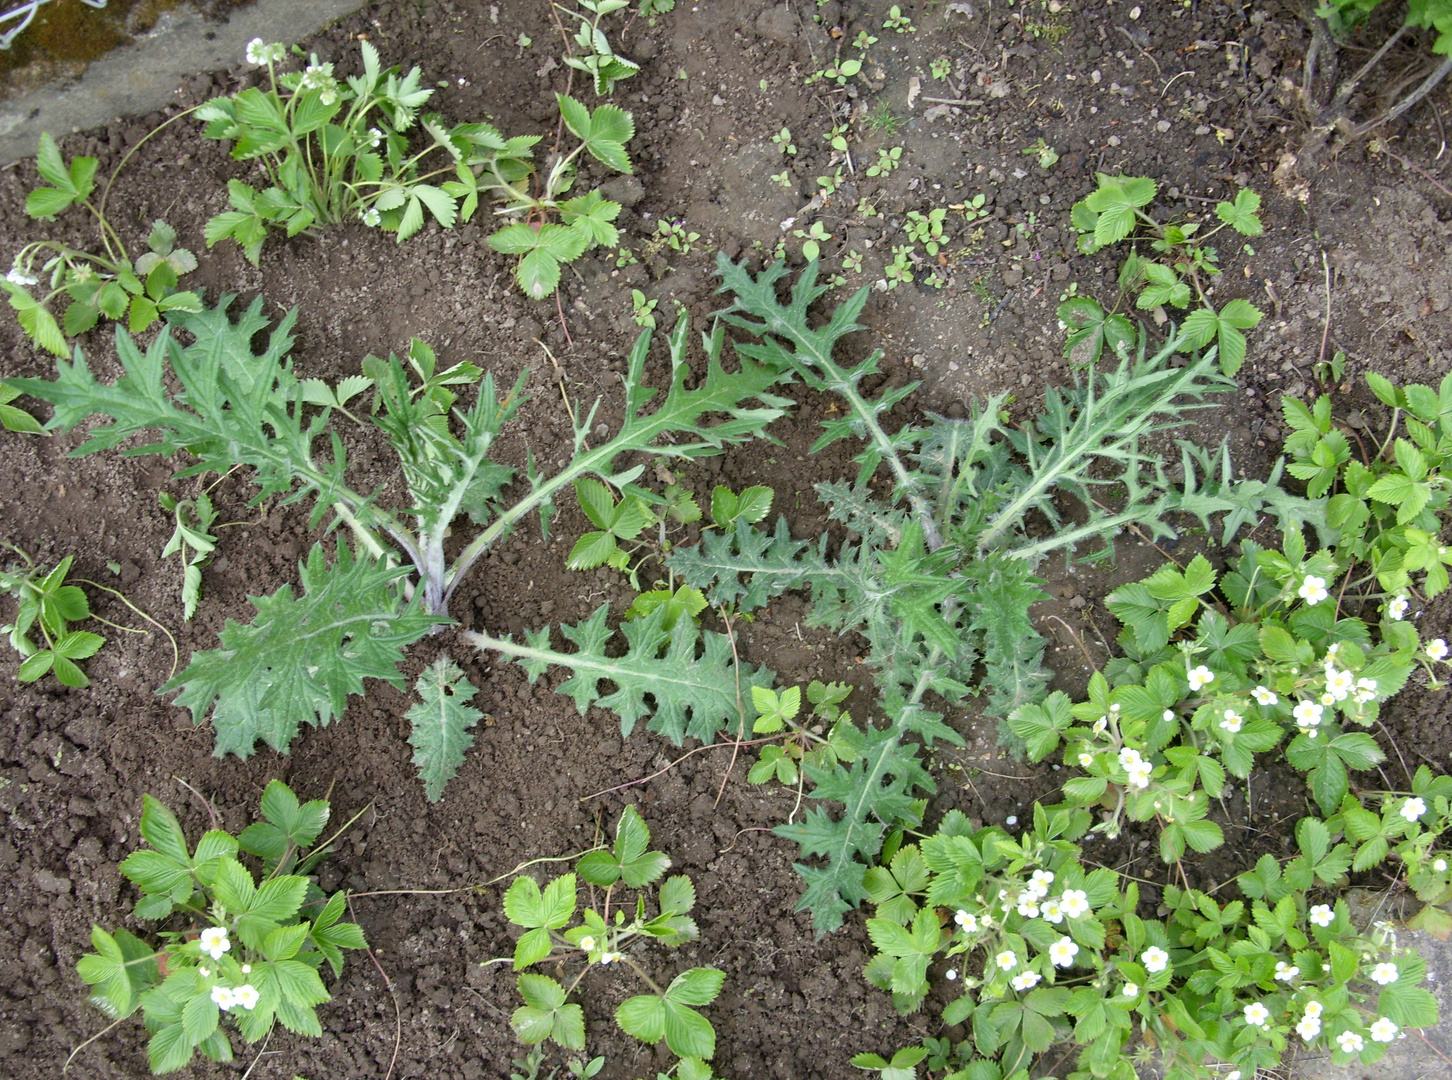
(441, 724)
(1003, 591)
(747, 566)
(687, 674)
(875, 790)
(301, 657)
(236, 407)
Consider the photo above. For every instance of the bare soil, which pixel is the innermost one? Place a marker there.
(1199, 96)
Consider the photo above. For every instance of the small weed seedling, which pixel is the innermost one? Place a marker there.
(926, 229)
(642, 310)
(812, 237)
(676, 236)
(651, 10)
(595, 57)
(837, 73)
(783, 139)
(883, 122)
(605, 935)
(47, 606)
(898, 22)
(1045, 154)
(192, 542)
(941, 68)
(888, 159)
(1180, 276)
(235, 947)
(108, 283)
(900, 270)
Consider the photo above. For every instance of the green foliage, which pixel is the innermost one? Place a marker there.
(191, 541)
(1344, 16)
(668, 1013)
(939, 573)
(335, 150)
(595, 57)
(441, 723)
(236, 947)
(1115, 211)
(1386, 499)
(107, 283)
(45, 604)
(13, 418)
(224, 404)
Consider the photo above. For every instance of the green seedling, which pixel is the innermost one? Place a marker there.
(783, 139)
(46, 605)
(594, 55)
(926, 229)
(781, 179)
(883, 122)
(940, 68)
(897, 22)
(642, 311)
(863, 41)
(676, 236)
(852, 261)
(838, 73)
(191, 541)
(888, 159)
(900, 270)
(812, 239)
(651, 10)
(238, 951)
(1045, 154)
(548, 916)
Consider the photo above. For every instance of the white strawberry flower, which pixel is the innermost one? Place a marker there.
(967, 920)
(1100, 725)
(1131, 990)
(1339, 683)
(1006, 960)
(18, 276)
(1365, 691)
(375, 137)
(370, 217)
(1232, 721)
(223, 997)
(1437, 649)
(1397, 609)
(1413, 809)
(1074, 903)
(1313, 590)
(1028, 908)
(1129, 757)
(1322, 915)
(1264, 696)
(1308, 1028)
(1154, 959)
(1063, 951)
(256, 51)
(1383, 1030)
(245, 995)
(1200, 677)
(611, 957)
(1085, 760)
(1041, 879)
(1314, 1009)
(1286, 972)
(1440, 865)
(1385, 974)
(213, 941)
(1256, 1014)
(1139, 776)
(1051, 911)
(1308, 714)
(1026, 980)
(1350, 1042)
(587, 943)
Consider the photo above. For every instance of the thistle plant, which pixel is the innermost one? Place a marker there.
(223, 404)
(1178, 276)
(237, 947)
(107, 283)
(604, 937)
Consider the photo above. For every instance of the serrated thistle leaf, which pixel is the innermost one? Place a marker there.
(684, 679)
(300, 658)
(748, 566)
(441, 723)
(877, 788)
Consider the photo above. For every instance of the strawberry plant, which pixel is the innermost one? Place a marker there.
(236, 947)
(602, 937)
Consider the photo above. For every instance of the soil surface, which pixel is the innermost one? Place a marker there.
(1203, 97)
